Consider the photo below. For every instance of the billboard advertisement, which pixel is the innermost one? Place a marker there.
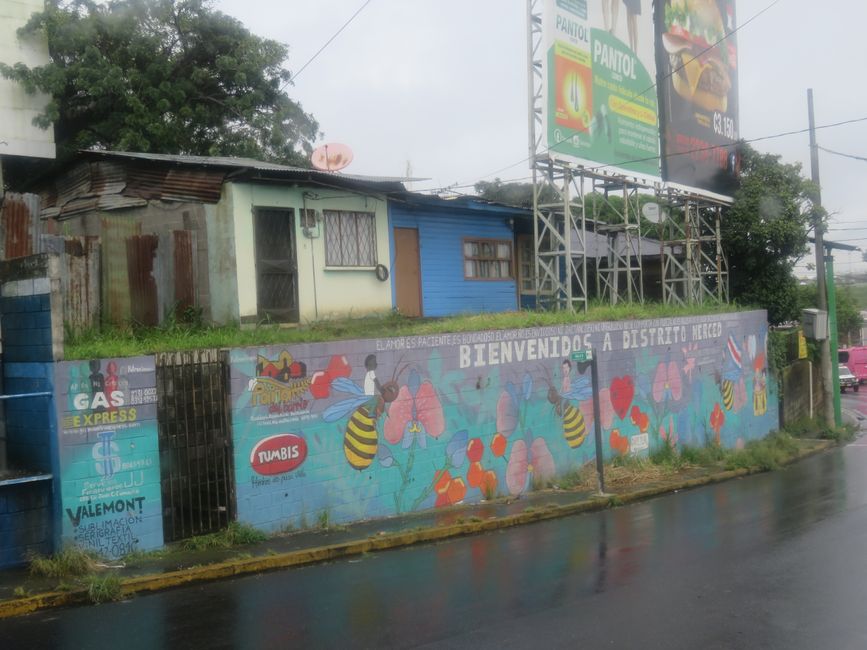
(698, 91)
(599, 76)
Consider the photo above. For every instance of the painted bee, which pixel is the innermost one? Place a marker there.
(366, 406)
(574, 426)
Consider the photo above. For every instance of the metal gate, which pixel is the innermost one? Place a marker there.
(198, 489)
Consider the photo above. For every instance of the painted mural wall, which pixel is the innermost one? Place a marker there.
(109, 455)
(362, 429)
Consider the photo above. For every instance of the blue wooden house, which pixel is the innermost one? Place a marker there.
(450, 256)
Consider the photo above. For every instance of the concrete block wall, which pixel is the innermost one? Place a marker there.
(355, 430)
(25, 519)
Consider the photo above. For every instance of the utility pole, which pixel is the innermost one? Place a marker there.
(828, 387)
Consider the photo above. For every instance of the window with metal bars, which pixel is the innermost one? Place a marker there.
(487, 259)
(350, 238)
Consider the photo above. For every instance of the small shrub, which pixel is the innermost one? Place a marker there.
(71, 561)
(102, 588)
(20, 592)
(322, 520)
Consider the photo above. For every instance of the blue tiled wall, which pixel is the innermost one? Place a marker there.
(25, 520)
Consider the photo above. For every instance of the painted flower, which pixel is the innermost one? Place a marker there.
(717, 420)
(619, 443)
(450, 491)
(667, 383)
(640, 419)
(498, 445)
(526, 462)
(605, 406)
(416, 412)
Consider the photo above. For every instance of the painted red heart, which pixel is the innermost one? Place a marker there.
(622, 392)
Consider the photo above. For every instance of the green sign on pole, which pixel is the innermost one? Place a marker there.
(581, 356)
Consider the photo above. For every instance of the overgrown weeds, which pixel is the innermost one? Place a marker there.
(667, 460)
(186, 330)
(69, 562)
(102, 587)
(236, 534)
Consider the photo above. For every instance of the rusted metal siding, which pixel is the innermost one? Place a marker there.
(184, 264)
(174, 184)
(115, 272)
(80, 282)
(141, 252)
(20, 225)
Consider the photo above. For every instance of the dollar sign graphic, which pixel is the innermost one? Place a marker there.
(106, 453)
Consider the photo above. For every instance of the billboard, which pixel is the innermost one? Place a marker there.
(599, 75)
(18, 135)
(698, 91)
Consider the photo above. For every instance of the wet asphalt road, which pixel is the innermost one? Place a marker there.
(771, 561)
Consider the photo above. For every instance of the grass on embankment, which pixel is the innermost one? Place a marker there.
(177, 335)
(667, 462)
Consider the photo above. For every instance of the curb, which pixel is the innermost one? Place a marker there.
(239, 567)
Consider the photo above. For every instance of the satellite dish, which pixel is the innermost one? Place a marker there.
(651, 212)
(331, 157)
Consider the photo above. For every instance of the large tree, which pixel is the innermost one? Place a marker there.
(164, 76)
(765, 231)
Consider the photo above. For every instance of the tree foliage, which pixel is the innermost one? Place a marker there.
(164, 76)
(764, 233)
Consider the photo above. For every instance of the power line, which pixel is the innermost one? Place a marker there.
(700, 149)
(844, 155)
(327, 43)
(651, 87)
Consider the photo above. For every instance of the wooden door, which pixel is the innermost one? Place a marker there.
(276, 270)
(407, 272)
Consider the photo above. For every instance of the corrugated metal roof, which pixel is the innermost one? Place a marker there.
(172, 184)
(229, 162)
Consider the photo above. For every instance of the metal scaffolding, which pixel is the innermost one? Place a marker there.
(619, 259)
(694, 266)
(567, 198)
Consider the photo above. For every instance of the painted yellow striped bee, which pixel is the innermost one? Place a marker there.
(574, 425)
(366, 406)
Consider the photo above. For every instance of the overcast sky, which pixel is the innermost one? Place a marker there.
(441, 85)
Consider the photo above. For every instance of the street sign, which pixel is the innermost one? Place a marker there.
(582, 356)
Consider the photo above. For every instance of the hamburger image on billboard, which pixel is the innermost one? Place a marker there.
(697, 55)
(698, 58)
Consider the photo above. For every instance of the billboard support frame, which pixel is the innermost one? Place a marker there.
(694, 265)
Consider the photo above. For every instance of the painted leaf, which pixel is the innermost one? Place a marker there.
(527, 386)
(456, 450)
(386, 458)
(413, 381)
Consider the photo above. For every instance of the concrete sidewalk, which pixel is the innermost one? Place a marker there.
(178, 567)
